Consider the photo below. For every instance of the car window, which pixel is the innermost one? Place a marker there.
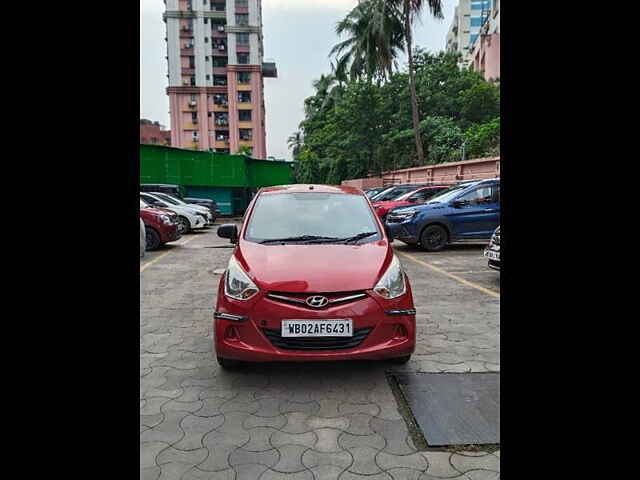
(168, 199)
(448, 194)
(319, 214)
(482, 194)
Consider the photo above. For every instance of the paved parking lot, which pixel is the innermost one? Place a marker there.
(325, 421)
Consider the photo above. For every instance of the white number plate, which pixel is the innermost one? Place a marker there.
(317, 328)
(492, 255)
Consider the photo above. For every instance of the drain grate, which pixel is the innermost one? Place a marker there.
(449, 409)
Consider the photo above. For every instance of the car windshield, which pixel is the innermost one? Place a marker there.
(449, 193)
(394, 193)
(168, 199)
(311, 216)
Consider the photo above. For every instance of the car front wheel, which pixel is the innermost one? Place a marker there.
(153, 239)
(183, 225)
(433, 238)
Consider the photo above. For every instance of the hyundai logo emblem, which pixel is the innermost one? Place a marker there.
(317, 301)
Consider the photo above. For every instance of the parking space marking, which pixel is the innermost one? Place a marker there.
(451, 275)
(148, 264)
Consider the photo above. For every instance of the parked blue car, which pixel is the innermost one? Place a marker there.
(468, 211)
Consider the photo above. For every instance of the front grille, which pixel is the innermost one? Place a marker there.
(316, 343)
(300, 298)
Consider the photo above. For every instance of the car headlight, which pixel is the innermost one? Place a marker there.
(405, 215)
(165, 219)
(237, 283)
(392, 284)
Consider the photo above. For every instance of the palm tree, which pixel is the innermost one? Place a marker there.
(411, 9)
(375, 37)
(295, 143)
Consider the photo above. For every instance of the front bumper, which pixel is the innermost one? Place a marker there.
(493, 263)
(170, 233)
(251, 339)
(404, 231)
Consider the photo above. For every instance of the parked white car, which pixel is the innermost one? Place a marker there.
(188, 218)
(143, 239)
(204, 211)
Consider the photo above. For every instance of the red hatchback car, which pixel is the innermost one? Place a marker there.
(312, 278)
(161, 225)
(419, 195)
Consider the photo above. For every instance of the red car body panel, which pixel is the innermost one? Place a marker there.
(382, 208)
(151, 219)
(313, 269)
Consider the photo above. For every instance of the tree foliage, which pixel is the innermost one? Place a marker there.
(353, 127)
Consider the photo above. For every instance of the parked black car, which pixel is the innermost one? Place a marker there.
(178, 191)
(492, 252)
(371, 192)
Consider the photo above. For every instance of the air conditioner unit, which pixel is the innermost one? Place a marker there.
(192, 103)
(195, 122)
(220, 28)
(185, 82)
(221, 47)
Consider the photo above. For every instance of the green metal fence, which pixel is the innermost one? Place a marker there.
(228, 179)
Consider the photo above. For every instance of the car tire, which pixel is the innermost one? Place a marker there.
(433, 238)
(153, 239)
(401, 360)
(183, 225)
(228, 364)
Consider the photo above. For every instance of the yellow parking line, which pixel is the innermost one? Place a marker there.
(148, 264)
(451, 275)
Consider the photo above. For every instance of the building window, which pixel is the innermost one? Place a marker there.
(220, 62)
(206, 58)
(242, 18)
(242, 38)
(220, 80)
(218, 6)
(208, 77)
(193, 97)
(206, 20)
(222, 119)
(193, 81)
(476, 22)
(221, 99)
(206, 39)
(244, 115)
(244, 97)
(246, 134)
(194, 117)
(244, 77)
(242, 3)
(243, 58)
(192, 62)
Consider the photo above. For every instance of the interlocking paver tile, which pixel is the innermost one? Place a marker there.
(267, 458)
(482, 475)
(150, 473)
(231, 431)
(255, 421)
(308, 439)
(357, 476)
(195, 428)
(259, 439)
(395, 433)
(311, 407)
(153, 404)
(327, 440)
(268, 407)
(346, 408)
(218, 458)
(364, 461)
(312, 458)
(296, 422)
(211, 406)
(290, 458)
(464, 462)
(151, 421)
(329, 407)
(173, 455)
(176, 406)
(414, 461)
(249, 471)
(359, 424)
(339, 423)
(401, 473)
(197, 474)
(376, 441)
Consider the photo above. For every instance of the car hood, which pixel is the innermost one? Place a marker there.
(391, 204)
(158, 211)
(315, 268)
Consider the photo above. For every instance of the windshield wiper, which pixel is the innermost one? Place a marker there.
(301, 238)
(357, 237)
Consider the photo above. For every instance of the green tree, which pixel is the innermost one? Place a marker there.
(295, 143)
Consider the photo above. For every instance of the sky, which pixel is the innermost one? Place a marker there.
(298, 35)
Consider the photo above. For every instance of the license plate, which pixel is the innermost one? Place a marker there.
(317, 328)
(491, 255)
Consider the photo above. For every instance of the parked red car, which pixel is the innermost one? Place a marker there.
(312, 278)
(161, 225)
(419, 195)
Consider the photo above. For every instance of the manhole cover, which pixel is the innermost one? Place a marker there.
(453, 408)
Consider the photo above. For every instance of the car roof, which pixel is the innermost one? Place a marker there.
(158, 185)
(306, 188)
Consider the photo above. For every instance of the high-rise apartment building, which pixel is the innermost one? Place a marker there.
(485, 51)
(468, 18)
(216, 72)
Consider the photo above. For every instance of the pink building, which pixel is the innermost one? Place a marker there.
(216, 72)
(485, 53)
(153, 133)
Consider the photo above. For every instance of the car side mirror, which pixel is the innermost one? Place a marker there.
(230, 231)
